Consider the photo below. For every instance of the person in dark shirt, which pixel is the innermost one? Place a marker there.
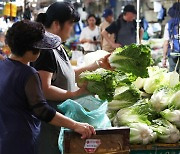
(22, 103)
(57, 75)
(124, 28)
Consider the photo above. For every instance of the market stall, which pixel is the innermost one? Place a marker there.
(143, 104)
(138, 95)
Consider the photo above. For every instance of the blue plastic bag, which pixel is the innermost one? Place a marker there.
(87, 110)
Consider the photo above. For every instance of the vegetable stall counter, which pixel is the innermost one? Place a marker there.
(158, 148)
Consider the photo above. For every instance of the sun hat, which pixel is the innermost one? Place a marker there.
(49, 41)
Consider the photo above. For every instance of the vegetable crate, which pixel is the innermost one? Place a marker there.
(106, 141)
(155, 149)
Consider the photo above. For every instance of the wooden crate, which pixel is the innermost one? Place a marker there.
(112, 141)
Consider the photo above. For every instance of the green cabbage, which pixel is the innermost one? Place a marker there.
(155, 80)
(161, 98)
(141, 134)
(166, 132)
(103, 82)
(175, 101)
(132, 59)
(140, 112)
(172, 116)
(159, 77)
(126, 116)
(139, 83)
(111, 114)
(124, 96)
(155, 70)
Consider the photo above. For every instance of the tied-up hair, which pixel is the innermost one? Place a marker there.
(59, 11)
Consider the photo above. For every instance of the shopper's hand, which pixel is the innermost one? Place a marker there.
(164, 63)
(84, 129)
(104, 62)
(82, 89)
(116, 45)
(89, 41)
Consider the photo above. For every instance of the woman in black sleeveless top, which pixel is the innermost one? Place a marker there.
(57, 75)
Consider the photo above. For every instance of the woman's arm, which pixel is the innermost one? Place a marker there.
(84, 129)
(85, 41)
(101, 63)
(40, 108)
(54, 93)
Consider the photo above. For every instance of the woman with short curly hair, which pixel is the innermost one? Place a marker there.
(22, 103)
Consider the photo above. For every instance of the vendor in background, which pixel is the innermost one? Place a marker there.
(57, 75)
(108, 19)
(171, 42)
(124, 28)
(22, 102)
(90, 35)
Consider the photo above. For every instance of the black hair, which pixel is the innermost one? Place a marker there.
(91, 15)
(98, 21)
(58, 11)
(41, 18)
(22, 36)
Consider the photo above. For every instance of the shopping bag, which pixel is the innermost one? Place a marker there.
(91, 111)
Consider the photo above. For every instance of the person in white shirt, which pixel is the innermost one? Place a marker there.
(90, 35)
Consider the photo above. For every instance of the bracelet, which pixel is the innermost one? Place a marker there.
(98, 63)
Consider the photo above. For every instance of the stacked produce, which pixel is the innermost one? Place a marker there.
(147, 99)
(103, 82)
(132, 59)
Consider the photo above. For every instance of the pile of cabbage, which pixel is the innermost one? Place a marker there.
(155, 117)
(142, 97)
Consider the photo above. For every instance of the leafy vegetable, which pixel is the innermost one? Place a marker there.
(155, 70)
(139, 83)
(126, 116)
(111, 114)
(141, 112)
(172, 78)
(103, 82)
(160, 98)
(175, 101)
(172, 115)
(124, 96)
(132, 59)
(166, 132)
(141, 134)
(116, 105)
(158, 77)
